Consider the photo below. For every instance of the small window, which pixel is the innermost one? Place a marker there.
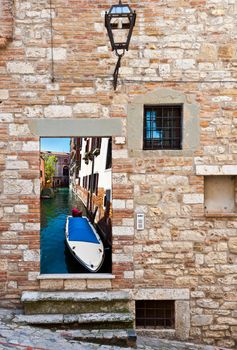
(96, 143)
(87, 145)
(162, 127)
(88, 182)
(85, 182)
(65, 171)
(95, 184)
(220, 195)
(155, 314)
(109, 154)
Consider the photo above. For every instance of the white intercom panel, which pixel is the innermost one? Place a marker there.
(140, 221)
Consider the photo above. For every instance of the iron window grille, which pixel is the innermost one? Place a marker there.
(162, 127)
(155, 314)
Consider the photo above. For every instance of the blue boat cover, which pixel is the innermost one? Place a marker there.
(79, 229)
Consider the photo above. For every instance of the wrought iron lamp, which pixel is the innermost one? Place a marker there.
(119, 22)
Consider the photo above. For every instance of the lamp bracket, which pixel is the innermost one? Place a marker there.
(116, 70)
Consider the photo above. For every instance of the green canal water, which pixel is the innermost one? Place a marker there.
(54, 254)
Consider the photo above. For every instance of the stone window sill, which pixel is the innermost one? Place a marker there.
(76, 276)
(220, 215)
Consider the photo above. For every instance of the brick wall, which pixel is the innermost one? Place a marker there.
(6, 21)
(186, 46)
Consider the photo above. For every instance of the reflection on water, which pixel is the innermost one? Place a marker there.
(55, 256)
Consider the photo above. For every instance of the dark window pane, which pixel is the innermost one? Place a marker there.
(155, 314)
(109, 154)
(162, 127)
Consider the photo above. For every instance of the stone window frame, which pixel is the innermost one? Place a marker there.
(83, 127)
(163, 96)
(181, 296)
(217, 170)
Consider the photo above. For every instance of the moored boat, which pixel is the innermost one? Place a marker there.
(84, 243)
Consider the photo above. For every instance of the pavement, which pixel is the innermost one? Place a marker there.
(15, 336)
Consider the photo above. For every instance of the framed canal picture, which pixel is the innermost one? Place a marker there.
(76, 198)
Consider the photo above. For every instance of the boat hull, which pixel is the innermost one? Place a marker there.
(88, 248)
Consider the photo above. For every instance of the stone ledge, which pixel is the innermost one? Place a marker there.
(73, 296)
(206, 170)
(162, 294)
(80, 318)
(76, 276)
(220, 215)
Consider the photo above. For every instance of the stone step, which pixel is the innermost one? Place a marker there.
(87, 320)
(75, 296)
(74, 302)
(118, 337)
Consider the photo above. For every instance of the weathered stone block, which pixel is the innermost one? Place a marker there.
(6, 117)
(17, 187)
(4, 94)
(119, 204)
(74, 284)
(21, 208)
(232, 244)
(123, 231)
(16, 227)
(16, 164)
(56, 111)
(51, 284)
(85, 108)
(36, 52)
(19, 130)
(201, 320)
(208, 304)
(182, 318)
(193, 198)
(20, 68)
(59, 53)
(208, 52)
(30, 146)
(30, 226)
(31, 255)
(185, 64)
(227, 51)
(227, 321)
(99, 284)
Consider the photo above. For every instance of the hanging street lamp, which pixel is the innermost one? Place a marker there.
(119, 22)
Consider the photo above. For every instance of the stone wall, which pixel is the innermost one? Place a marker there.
(186, 46)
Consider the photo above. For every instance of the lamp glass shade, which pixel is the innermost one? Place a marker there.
(120, 9)
(119, 22)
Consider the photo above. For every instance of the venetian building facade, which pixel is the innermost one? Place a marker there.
(61, 175)
(173, 123)
(90, 179)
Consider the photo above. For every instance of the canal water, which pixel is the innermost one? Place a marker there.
(55, 256)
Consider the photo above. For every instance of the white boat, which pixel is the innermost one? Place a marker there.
(84, 242)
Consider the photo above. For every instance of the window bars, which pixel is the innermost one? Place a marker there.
(155, 314)
(162, 127)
